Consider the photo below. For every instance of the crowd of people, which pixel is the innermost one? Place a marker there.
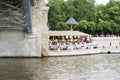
(68, 43)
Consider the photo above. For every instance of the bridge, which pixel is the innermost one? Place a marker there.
(23, 26)
(16, 14)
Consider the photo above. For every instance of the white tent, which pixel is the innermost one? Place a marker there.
(67, 33)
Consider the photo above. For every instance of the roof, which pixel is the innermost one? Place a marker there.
(71, 21)
(67, 33)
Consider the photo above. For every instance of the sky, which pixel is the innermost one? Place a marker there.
(99, 1)
(102, 1)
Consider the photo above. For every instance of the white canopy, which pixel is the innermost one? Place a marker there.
(71, 21)
(67, 33)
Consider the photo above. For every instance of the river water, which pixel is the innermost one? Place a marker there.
(89, 67)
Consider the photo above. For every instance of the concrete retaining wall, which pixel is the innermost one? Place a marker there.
(107, 41)
(106, 44)
(16, 43)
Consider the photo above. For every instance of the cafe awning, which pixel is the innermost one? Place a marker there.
(67, 33)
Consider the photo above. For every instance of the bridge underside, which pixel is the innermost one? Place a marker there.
(15, 14)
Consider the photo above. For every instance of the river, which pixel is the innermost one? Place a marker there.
(88, 67)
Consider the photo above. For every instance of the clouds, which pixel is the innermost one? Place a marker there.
(102, 1)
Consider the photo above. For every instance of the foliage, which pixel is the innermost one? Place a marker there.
(61, 26)
(82, 25)
(93, 19)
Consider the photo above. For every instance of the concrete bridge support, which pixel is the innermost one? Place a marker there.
(14, 43)
(19, 43)
(40, 18)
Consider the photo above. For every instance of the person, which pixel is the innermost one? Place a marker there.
(110, 43)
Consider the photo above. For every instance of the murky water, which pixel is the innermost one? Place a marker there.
(91, 67)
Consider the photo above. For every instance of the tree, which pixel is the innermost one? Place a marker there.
(115, 27)
(93, 19)
(82, 26)
(61, 10)
(61, 26)
(56, 12)
(91, 27)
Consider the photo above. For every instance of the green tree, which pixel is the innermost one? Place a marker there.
(61, 11)
(115, 27)
(82, 26)
(93, 19)
(108, 18)
(61, 26)
(91, 27)
(56, 12)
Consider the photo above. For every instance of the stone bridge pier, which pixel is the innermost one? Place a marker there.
(23, 28)
(40, 19)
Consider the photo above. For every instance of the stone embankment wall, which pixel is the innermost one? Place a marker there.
(107, 43)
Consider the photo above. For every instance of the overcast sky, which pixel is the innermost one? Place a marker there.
(101, 1)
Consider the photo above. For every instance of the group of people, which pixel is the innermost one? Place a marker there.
(68, 43)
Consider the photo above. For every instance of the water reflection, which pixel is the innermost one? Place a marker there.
(94, 67)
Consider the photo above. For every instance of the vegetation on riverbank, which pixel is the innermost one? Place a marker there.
(93, 19)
